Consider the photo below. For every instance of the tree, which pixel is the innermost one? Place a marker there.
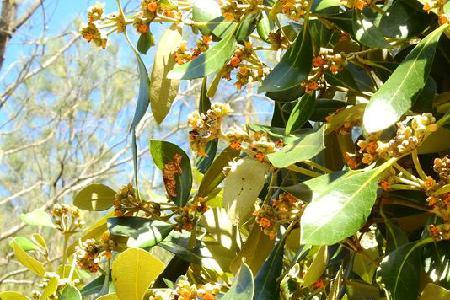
(344, 195)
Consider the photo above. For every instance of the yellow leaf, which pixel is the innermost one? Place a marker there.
(241, 188)
(39, 239)
(50, 288)
(317, 267)
(133, 271)
(434, 292)
(11, 295)
(162, 89)
(95, 196)
(108, 297)
(28, 261)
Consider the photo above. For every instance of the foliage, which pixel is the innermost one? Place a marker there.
(346, 195)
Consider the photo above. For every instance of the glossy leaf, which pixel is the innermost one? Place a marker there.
(242, 187)
(214, 176)
(400, 270)
(395, 96)
(242, 287)
(142, 232)
(28, 261)
(293, 68)
(266, 285)
(95, 196)
(133, 271)
(163, 153)
(210, 61)
(162, 89)
(339, 207)
(304, 147)
(301, 112)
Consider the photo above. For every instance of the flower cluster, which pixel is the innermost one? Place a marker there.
(91, 32)
(206, 126)
(246, 62)
(442, 167)
(126, 203)
(410, 134)
(66, 218)
(90, 252)
(233, 10)
(295, 9)
(170, 171)
(327, 60)
(152, 8)
(184, 290)
(438, 7)
(255, 144)
(278, 212)
(182, 55)
(357, 4)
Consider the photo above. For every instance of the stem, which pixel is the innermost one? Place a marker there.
(317, 166)
(307, 172)
(407, 173)
(418, 166)
(64, 255)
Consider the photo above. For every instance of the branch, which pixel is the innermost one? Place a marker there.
(26, 15)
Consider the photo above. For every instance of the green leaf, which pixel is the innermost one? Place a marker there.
(23, 242)
(214, 176)
(145, 42)
(266, 285)
(400, 270)
(93, 287)
(95, 196)
(396, 95)
(28, 261)
(434, 292)
(12, 295)
(366, 33)
(38, 217)
(299, 149)
(247, 26)
(401, 20)
(163, 153)
(365, 264)
(301, 112)
(339, 207)
(70, 293)
(209, 13)
(323, 4)
(162, 89)
(210, 61)
(242, 186)
(133, 271)
(264, 27)
(294, 66)
(142, 232)
(143, 95)
(242, 287)
(436, 142)
(204, 162)
(317, 267)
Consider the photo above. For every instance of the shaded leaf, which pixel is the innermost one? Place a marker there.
(317, 267)
(434, 292)
(400, 270)
(266, 285)
(214, 176)
(294, 66)
(163, 153)
(145, 42)
(242, 287)
(301, 112)
(142, 232)
(396, 95)
(367, 33)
